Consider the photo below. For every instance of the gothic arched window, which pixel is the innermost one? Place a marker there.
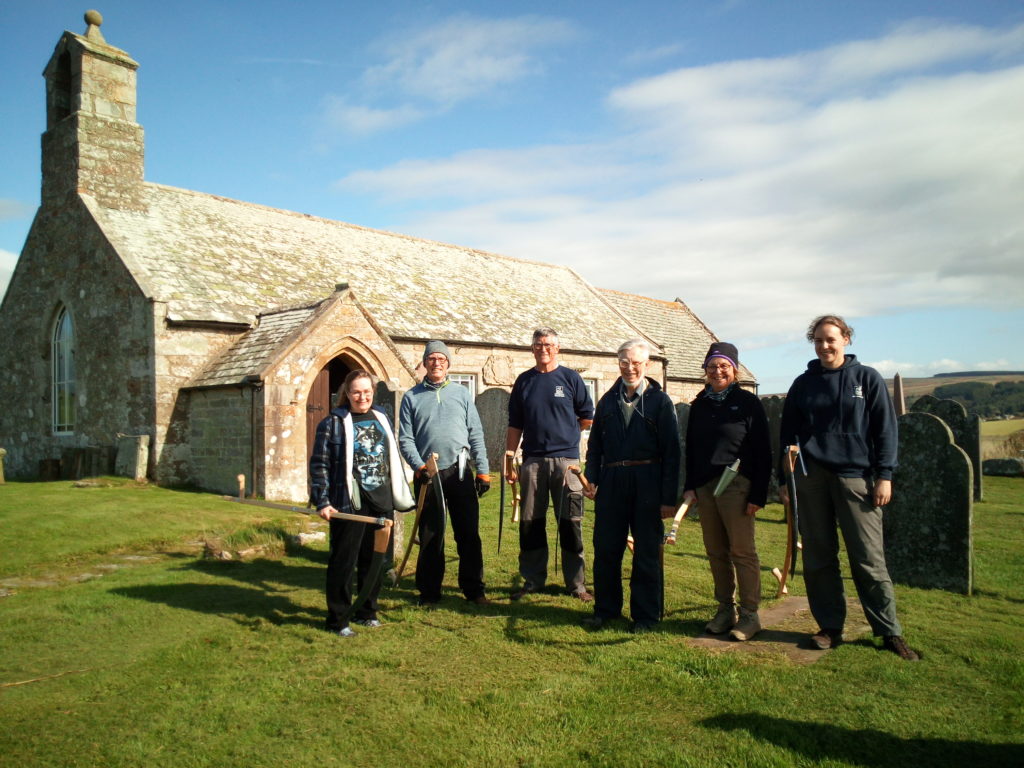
(63, 373)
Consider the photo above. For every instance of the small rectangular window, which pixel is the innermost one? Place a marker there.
(468, 380)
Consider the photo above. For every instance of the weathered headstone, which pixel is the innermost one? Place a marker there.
(773, 410)
(492, 405)
(927, 525)
(389, 399)
(132, 457)
(683, 418)
(899, 399)
(966, 430)
(1004, 467)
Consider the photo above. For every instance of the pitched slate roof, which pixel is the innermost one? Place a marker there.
(686, 339)
(212, 259)
(254, 349)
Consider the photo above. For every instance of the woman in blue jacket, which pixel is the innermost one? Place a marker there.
(840, 415)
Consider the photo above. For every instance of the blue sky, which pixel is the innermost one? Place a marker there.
(764, 161)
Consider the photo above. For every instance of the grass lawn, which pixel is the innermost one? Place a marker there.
(121, 645)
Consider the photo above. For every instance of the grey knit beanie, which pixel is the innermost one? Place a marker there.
(436, 347)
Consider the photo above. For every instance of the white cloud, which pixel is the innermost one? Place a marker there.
(13, 209)
(7, 262)
(870, 177)
(360, 120)
(428, 71)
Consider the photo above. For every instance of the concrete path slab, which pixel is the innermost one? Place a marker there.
(787, 627)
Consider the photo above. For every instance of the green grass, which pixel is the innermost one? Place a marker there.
(1001, 427)
(177, 660)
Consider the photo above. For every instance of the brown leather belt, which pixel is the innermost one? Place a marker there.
(630, 463)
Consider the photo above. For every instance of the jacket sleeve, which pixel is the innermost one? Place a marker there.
(406, 434)
(320, 466)
(761, 450)
(477, 443)
(668, 436)
(595, 447)
(883, 436)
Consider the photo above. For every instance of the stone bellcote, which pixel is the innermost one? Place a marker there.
(92, 143)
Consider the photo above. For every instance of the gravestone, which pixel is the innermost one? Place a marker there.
(927, 525)
(773, 410)
(966, 430)
(1004, 467)
(389, 399)
(132, 457)
(899, 399)
(492, 405)
(683, 418)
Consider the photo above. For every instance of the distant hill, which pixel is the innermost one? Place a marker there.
(914, 388)
(986, 393)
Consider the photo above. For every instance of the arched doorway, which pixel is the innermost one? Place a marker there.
(322, 395)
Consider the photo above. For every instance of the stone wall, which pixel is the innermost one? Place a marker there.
(67, 262)
(220, 437)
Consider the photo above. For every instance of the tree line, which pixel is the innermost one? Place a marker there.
(1005, 398)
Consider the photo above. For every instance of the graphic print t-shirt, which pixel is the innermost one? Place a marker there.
(370, 464)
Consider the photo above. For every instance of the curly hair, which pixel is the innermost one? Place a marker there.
(835, 320)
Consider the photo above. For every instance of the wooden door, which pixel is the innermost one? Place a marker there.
(318, 405)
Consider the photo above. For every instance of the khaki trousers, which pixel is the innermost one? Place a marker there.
(729, 541)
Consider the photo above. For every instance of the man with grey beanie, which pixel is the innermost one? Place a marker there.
(438, 416)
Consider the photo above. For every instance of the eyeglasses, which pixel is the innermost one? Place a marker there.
(719, 367)
(632, 363)
(538, 345)
(437, 360)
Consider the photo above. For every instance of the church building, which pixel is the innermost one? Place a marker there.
(217, 330)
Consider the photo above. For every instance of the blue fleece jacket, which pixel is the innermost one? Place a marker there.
(843, 419)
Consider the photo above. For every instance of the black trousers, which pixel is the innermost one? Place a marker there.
(351, 553)
(628, 503)
(464, 519)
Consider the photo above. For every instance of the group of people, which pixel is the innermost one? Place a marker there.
(838, 413)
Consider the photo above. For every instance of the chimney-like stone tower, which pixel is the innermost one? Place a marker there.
(92, 143)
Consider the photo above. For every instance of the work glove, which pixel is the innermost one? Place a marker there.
(483, 484)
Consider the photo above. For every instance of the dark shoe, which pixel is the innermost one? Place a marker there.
(596, 622)
(480, 600)
(643, 627)
(748, 626)
(899, 646)
(827, 638)
(425, 602)
(522, 592)
(724, 620)
(583, 596)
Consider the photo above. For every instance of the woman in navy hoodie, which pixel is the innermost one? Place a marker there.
(840, 415)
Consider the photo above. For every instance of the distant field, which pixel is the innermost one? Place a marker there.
(918, 387)
(1001, 428)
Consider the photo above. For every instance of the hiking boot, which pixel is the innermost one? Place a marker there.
(748, 626)
(724, 620)
(899, 646)
(824, 639)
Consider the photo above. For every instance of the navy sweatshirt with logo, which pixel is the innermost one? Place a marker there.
(843, 419)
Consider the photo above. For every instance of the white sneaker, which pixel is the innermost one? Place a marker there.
(346, 632)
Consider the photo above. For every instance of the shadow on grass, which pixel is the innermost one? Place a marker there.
(259, 593)
(867, 747)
